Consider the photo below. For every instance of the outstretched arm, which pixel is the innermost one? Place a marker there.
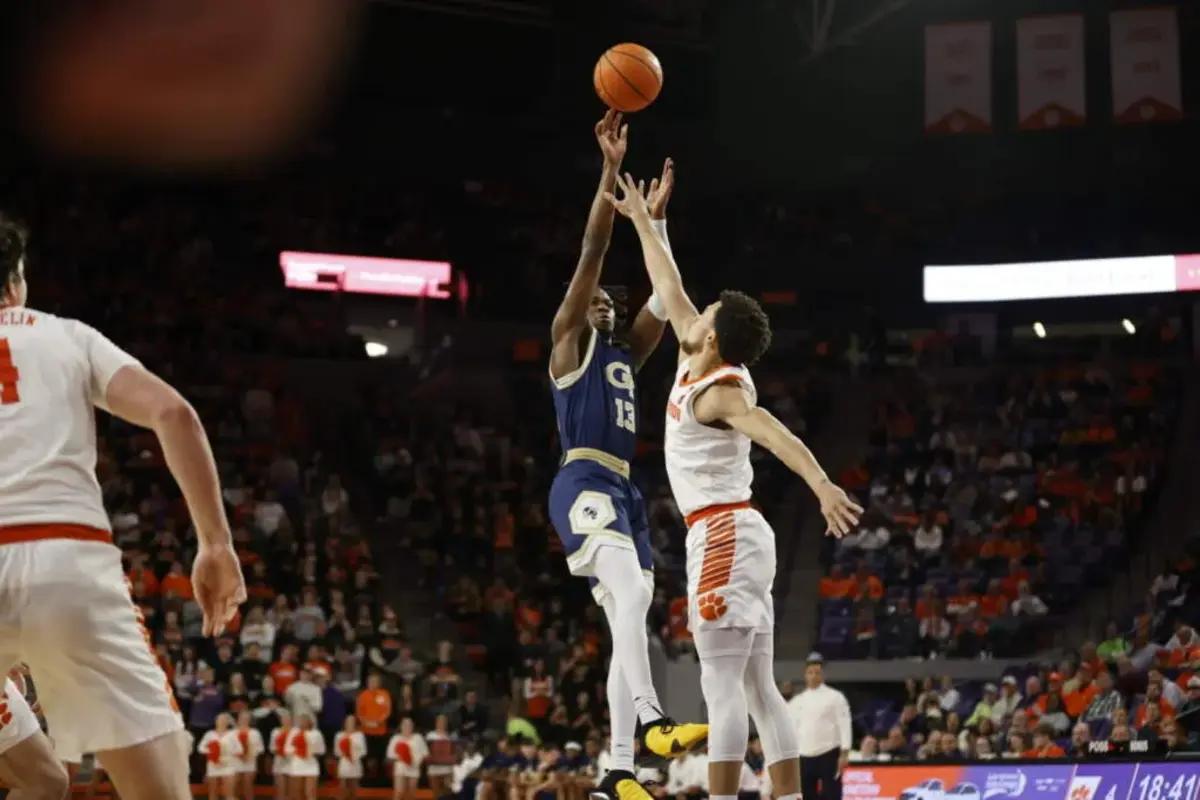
(648, 327)
(571, 317)
(731, 405)
(664, 273)
(138, 396)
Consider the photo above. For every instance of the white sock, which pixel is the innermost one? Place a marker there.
(722, 797)
(648, 709)
(622, 754)
(795, 796)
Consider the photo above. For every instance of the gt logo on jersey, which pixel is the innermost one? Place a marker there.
(620, 375)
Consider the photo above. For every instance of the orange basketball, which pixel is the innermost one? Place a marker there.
(628, 77)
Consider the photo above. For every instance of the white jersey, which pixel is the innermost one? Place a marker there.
(351, 748)
(706, 466)
(53, 372)
(245, 746)
(218, 756)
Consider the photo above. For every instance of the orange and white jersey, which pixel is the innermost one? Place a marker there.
(53, 372)
(282, 761)
(218, 757)
(305, 748)
(351, 748)
(706, 466)
(245, 745)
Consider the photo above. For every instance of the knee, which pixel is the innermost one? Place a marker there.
(634, 599)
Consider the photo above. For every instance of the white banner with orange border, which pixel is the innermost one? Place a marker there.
(958, 77)
(1145, 65)
(1050, 72)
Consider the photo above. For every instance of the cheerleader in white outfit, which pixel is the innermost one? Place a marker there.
(305, 746)
(443, 755)
(350, 746)
(246, 745)
(407, 751)
(218, 759)
(281, 765)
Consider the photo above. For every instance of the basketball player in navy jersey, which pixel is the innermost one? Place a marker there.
(596, 509)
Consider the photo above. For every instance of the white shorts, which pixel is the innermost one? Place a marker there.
(405, 771)
(439, 771)
(65, 609)
(281, 765)
(17, 721)
(213, 771)
(349, 770)
(305, 768)
(730, 573)
(246, 768)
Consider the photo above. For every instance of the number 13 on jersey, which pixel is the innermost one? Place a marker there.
(8, 376)
(626, 417)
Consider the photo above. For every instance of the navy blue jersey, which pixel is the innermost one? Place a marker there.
(595, 405)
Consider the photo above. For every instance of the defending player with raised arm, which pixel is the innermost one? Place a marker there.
(103, 691)
(596, 509)
(740, 326)
(712, 419)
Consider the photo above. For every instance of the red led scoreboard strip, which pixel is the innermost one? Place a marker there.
(327, 272)
(1042, 280)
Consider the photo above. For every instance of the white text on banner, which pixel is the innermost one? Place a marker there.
(1050, 72)
(958, 78)
(1145, 65)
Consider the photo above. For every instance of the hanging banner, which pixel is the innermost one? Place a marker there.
(958, 78)
(1145, 65)
(1050, 72)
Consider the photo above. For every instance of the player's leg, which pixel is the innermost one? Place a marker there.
(724, 655)
(153, 770)
(28, 765)
(106, 693)
(770, 713)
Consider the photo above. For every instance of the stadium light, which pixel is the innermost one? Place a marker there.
(1039, 330)
(1129, 327)
(376, 349)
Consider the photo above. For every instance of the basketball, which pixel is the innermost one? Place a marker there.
(628, 77)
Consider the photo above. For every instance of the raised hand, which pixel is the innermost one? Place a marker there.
(660, 191)
(633, 202)
(613, 138)
(840, 512)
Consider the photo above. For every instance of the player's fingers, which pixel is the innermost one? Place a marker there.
(624, 137)
(653, 186)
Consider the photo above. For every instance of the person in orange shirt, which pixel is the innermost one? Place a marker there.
(993, 604)
(1154, 697)
(177, 583)
(147, 577)
(1043, 745)
(926, 603)
(1077, 702)
(963, 600)
(374, 710)
(285, 671)
(837, 585)
(866, 584)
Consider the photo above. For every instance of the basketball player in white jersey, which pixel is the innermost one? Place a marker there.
(712, 418)
(65, 607)
(28, 765)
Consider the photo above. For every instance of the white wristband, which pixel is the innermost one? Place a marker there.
(660, 228)
(655, 306)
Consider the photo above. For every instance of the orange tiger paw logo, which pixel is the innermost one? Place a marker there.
(5, 715)
(712, 607)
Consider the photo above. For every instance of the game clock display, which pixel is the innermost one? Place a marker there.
(999, 780)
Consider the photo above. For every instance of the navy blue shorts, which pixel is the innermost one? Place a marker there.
(590, 506)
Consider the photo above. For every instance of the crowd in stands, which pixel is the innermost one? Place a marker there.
(1138, 684)
(993, 499)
